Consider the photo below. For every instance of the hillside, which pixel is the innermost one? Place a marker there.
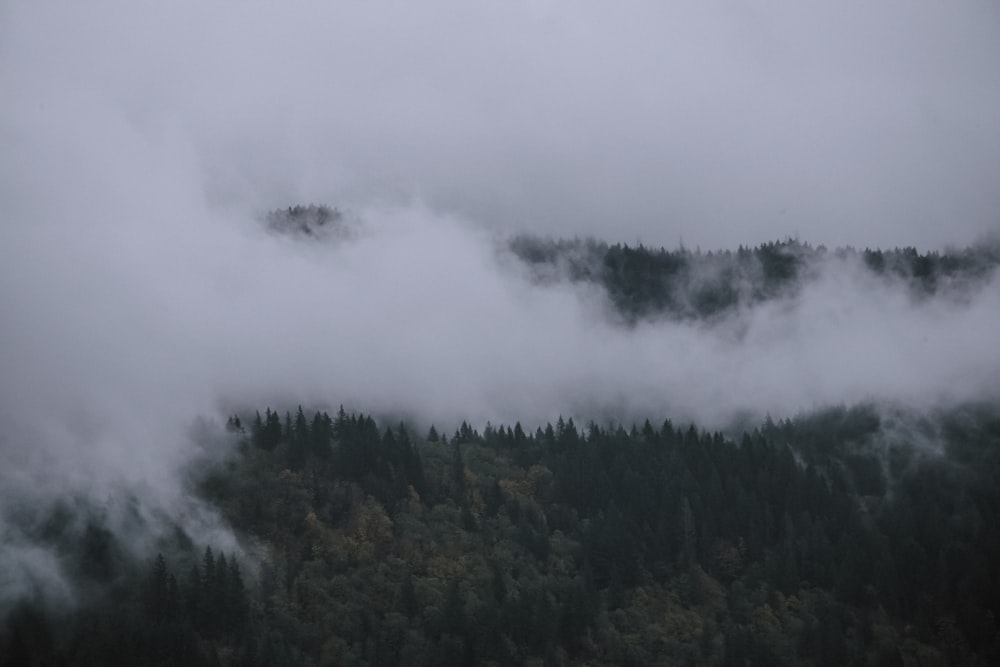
(835, 538)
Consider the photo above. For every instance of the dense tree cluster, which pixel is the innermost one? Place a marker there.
(830, 539)
(307, 221)
(643, 282)
(140, 614)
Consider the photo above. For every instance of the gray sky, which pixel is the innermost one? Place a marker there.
(719, 122)
(139, 142)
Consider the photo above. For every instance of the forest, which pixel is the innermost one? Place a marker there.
(860, 534)
(680, 284)
(833, 538)
(510, 333)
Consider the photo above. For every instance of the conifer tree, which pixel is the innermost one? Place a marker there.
(408, 603)
(158, 590)
(207, 593)
(237, 602)
(457, 474)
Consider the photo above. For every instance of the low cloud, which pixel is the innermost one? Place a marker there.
(139, 289)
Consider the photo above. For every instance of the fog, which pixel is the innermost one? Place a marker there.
(716, 122)
(139, 291)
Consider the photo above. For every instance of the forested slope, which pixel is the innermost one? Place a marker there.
(643, 282)
(836, 538)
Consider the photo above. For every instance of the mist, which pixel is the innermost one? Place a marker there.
(139, 290)
(715, 123)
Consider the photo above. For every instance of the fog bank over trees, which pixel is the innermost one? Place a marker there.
(526, 214)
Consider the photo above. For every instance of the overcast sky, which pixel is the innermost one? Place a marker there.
(716, 122)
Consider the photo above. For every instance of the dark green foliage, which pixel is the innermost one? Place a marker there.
(145, 618)
(821, 540)
(678, 284)
(458, 489)
(266, 432)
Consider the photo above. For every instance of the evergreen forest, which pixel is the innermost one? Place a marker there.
(822, 540)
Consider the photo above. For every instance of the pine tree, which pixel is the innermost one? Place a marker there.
(219, 596)
(320, 432)
(271, 430)
(413, 465)
(341, 424)
(237, 600)
(234, 425)
(172, 611)
(454, 610)
(688, 535)
(298, 439)
(207, 594)
(409, 605)
(158, 590)
(193, 599)
(457, 474)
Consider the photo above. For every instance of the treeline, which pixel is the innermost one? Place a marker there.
(644, 282)
(309, 221)
(831, 539)
(141, 614)
(385, 463)
(212, 599)
(815, 541)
